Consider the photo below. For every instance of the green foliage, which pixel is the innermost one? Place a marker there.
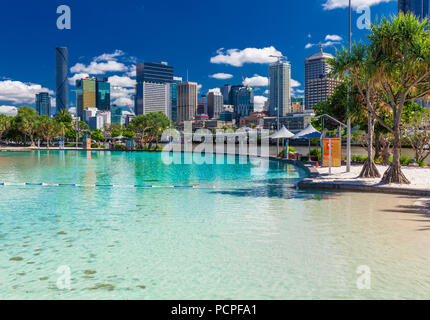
(422, 164)
(405, 161)
(97, 135)
(358, 158)
(316, 153)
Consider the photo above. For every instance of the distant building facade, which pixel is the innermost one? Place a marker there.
(279, 87)
(86, 96)
(297, 104)
(215, 104)
(103, 94)
(153, 88)
(43, 104)
(318, 84)
(225, 91)
(419, 8)
(243, 102)
(61, 69)
(187, 101)
(174, 95)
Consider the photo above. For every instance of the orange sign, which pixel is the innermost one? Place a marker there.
(88, 143)
(336, 152)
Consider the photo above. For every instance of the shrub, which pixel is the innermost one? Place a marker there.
(316, 153)
(359, 159)
(422, 164)
(94, 146)
(405, 161)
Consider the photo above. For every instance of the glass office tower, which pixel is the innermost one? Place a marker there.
(103, 94)
(62, 91)
(85, 96)
(420, 8)
(43, 104)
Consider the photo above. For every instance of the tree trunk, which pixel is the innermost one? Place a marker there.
(369, 169)
(394, 172)
(378, 145)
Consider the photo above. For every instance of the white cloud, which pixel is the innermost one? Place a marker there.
(122, 96)
(221, 76)
(109, 56)
(132, 71)
(215, 90)
(333, 37)
(335, 4)
(124, 81)
(256, 81)
(199, 88)
(72, 110)
(17, 92)
(295, 83)
(78, 76)
(267, 91)
(238, 58)
(98, 68)
(9, 110)
(259, 102)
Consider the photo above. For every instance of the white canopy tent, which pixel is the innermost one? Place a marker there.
(308, 133)
(283, 133)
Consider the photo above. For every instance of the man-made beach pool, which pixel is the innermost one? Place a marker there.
(224, 232)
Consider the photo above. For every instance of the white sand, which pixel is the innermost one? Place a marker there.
(419, 177)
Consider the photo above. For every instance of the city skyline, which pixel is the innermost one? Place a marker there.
(232, 59)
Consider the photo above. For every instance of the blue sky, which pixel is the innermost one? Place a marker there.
(213, 40)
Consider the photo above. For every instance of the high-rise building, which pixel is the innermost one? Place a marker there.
(420, 8)
(215, 104)
(62, 91)
(174, 91)
(280, 88)
(225, 91)
(153, 88)
(187, 101)
(154, 97)
(86, 96)
(318, 84)
(103, 94)
(243, 102)
(43, 104)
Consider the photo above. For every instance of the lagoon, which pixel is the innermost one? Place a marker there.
(129, 226)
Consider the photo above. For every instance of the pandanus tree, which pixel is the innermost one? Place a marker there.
(401, 49)
(392, 70)
(361, 69)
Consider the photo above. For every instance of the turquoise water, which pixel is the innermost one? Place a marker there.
(224, 232)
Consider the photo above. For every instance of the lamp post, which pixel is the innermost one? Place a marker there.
(348, 124)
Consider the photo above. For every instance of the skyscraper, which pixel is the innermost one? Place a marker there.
(243, 102)
(153, 88)
(215, 104)
(280, 89)
(62, 92)
(86, 97)
(420, 8)
(103, 94)
(174, 90)
(318, 84)
(43, 104)
(187, 101)
(225, 91)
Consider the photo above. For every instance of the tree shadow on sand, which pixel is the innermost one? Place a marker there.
(420, 209)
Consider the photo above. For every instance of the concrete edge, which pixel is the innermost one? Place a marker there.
(310, 184)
